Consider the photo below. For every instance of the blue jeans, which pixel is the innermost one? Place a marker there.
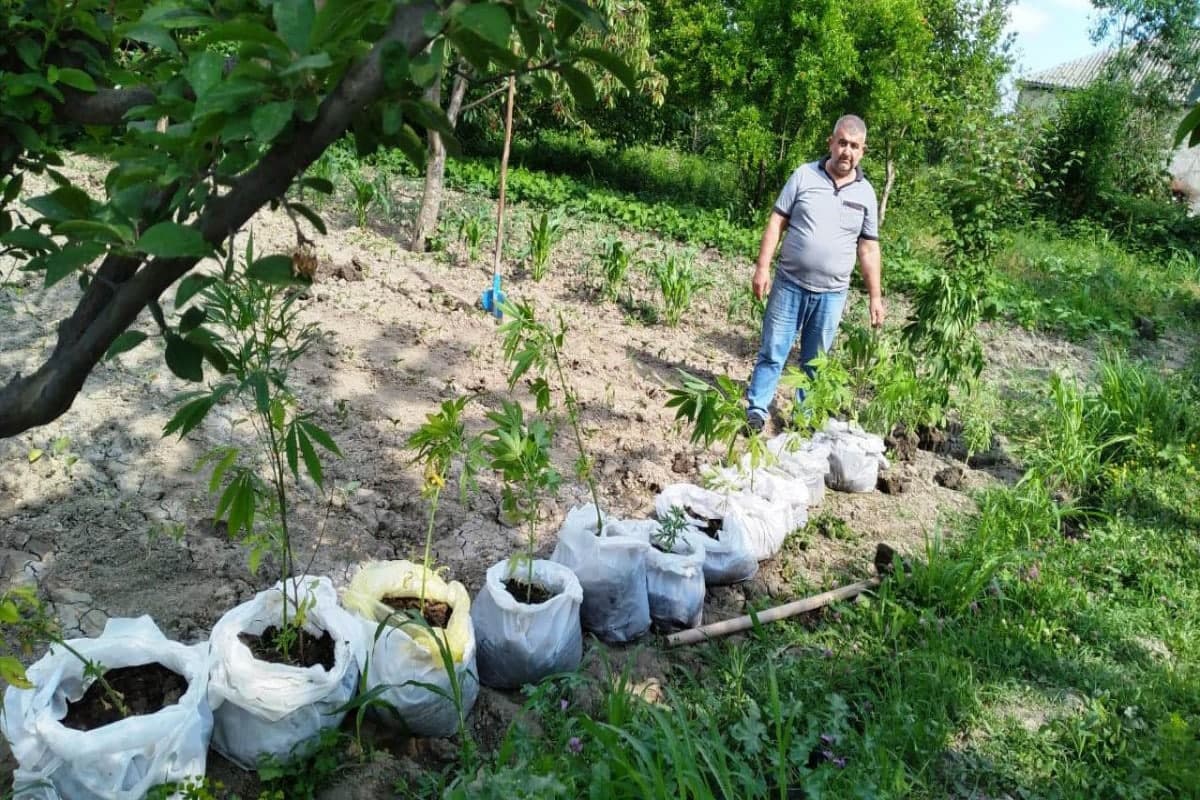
(791, 310)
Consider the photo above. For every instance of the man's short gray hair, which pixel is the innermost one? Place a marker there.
(850, 123)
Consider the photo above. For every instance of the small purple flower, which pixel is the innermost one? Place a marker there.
(564, 704)
(974, 608)
(828, 739)
(827, 755)
(840, 762)
(826, 653)
(575, 744)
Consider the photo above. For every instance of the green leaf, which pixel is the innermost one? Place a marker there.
(321, 437)
(275, 270)
(490, 22)
(294, 21)
(35, 454)
(184, 358)
(581, 85)
(93, 229)
(9, 613)
(262, 395)
(268, 120)
(66, 261)
(124, 343)
(13, 672)
(289, 449)
(311, 462)
(313, 217)
(336, 19)
(151, 34)
(76, 79)
(1189, 125)
(28, 239)
(243, 31)
(220, 468)
(203, 72)
(65, 202)
(613, 63)
(428, 116)
(393, 60)
(29, 51)
(314, 61)
(190, 286)
(190, 414)
(172, 240)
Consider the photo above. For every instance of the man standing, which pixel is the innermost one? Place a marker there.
(832, 216)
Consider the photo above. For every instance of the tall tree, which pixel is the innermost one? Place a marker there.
(253, 92)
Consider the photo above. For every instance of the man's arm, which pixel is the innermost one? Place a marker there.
(760, 284)
(870, 262)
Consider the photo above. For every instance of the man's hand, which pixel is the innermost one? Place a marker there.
(760, 284)
(878, 312)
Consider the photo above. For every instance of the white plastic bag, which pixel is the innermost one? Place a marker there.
(612, 571)
(123, 759)
(519, 643)
(261, 708)
(404, 657)
(775, 485)
(855, 457)
(727, 554)
(806, 460)
(674, 580)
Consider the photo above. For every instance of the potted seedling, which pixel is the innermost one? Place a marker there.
(610, 568)
(419, 607)
(284, 661)
(675, 584)
(109, 716)
(527, 614)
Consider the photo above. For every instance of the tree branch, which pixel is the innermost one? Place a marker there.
(103, 106)
(29, 401)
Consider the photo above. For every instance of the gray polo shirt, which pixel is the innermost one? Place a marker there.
(824, 226)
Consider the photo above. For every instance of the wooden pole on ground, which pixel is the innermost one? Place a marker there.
(884, 556)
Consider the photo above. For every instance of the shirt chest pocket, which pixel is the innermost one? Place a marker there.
(852, 216)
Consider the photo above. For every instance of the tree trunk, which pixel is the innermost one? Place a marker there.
(888, 182)
(435, 167)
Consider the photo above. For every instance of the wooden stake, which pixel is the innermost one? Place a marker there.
(508, 126)
(716, 630)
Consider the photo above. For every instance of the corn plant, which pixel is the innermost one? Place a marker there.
(248, 325)
(365, 196)
(615, 259)
(439, 443)
(545, 231)
(471, 228)
(679, 283)
(519, 451)
(383, 195)
(530, 344)
(745, 308)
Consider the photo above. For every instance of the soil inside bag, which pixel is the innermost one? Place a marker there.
(306, 651)
(436, 614)
(144, 689)
(529, 593)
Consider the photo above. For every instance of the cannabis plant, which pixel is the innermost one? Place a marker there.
(248, 326)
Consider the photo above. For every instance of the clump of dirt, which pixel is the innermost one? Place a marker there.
(306, 651)
(893, 482)
(436, 614)
(529, 593)
(144, 689)
(951, 477)
(902, 443)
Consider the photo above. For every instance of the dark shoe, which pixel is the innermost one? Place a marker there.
(754, 424)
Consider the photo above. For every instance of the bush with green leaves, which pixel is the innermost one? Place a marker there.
(248, 322)
(545, 231)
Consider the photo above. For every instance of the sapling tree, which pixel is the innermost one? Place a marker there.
(519, 451)
(249, 322)
(439, 443)
(532, 345)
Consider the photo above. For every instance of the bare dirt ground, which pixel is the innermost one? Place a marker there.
(114, 520)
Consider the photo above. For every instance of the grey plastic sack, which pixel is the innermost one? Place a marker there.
(674, 580)
(727, 554)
